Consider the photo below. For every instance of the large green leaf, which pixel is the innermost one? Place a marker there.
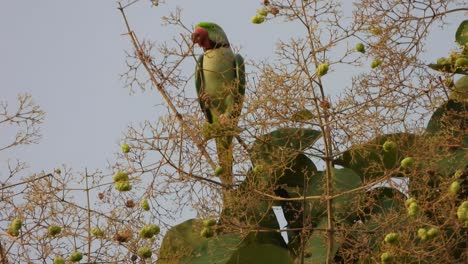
(184, 245)
(461, 36)
(345, 180)
(282, 145)
(457, 161)
(370, 161)
(450, 117)
(317, 245)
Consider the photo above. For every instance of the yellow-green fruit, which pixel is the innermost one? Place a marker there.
(262, 12)
(144, 252)
(123, 186)
(120, 176)
(422, 233)
(407, 162)
(454, 187)
(461, 62)
(460, 91)
(462, 213)
(59, 260)
(322, 69)
(392, 238)
(258, 169)
(76, 256)
(13, 232)
(257, 19)
(125, 148)
(149, 231)
(360, 48)
(375, 63)
(97, 232)
(206, 232)
(54, 230)
(145, 205)
(386, 257)
(389, 146)
(154, 229)
(58, 171)
(16, 224)
(409, 201)
(209, 222)
(219, 170)
(432, 232)
(413, 209)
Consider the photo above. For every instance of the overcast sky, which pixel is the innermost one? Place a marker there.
(69, 54)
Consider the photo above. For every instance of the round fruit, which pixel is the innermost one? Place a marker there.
(258, 169)
(123, 186)
(257, 19)
(154, 229)
(410, 201)
(144, 252)
(120, 176)
(386, 257)
(207, 232)
(392, 238)
(407, 162)
(322, 69)
(460, 90)
(432, 232)
(16, 224)
(54, 230)
(76, 256)
(360, 48)
(454, 187)
(219, 170)
(59, 260)
(57, 171)
(422, 233)
(375, 63)
(209, 222)
(413, 209)
(13, 232)
(461, 62)
(262, 12)
(97, 232)
(389, 146)
(462, 212)
(125, 148)
(145, 205)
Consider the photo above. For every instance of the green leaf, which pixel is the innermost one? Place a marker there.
(259, 254)
(457, 161)
(184, 245)
(345, 180)
(317, 244)
(451, 116)
(282, 145)
(461, 36)
(370, 161)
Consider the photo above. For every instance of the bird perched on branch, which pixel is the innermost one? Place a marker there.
(220, 83)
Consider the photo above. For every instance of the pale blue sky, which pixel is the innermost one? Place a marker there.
(69, 54)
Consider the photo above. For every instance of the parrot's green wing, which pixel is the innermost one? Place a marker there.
(240, 82)
(199, 85)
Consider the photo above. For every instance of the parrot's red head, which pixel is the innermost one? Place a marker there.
(209, 35)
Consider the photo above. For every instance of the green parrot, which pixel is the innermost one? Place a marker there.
(220, 83)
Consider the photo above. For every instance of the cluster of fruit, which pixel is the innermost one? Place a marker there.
(263, 13)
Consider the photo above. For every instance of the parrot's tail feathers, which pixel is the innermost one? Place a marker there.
(225, 158)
